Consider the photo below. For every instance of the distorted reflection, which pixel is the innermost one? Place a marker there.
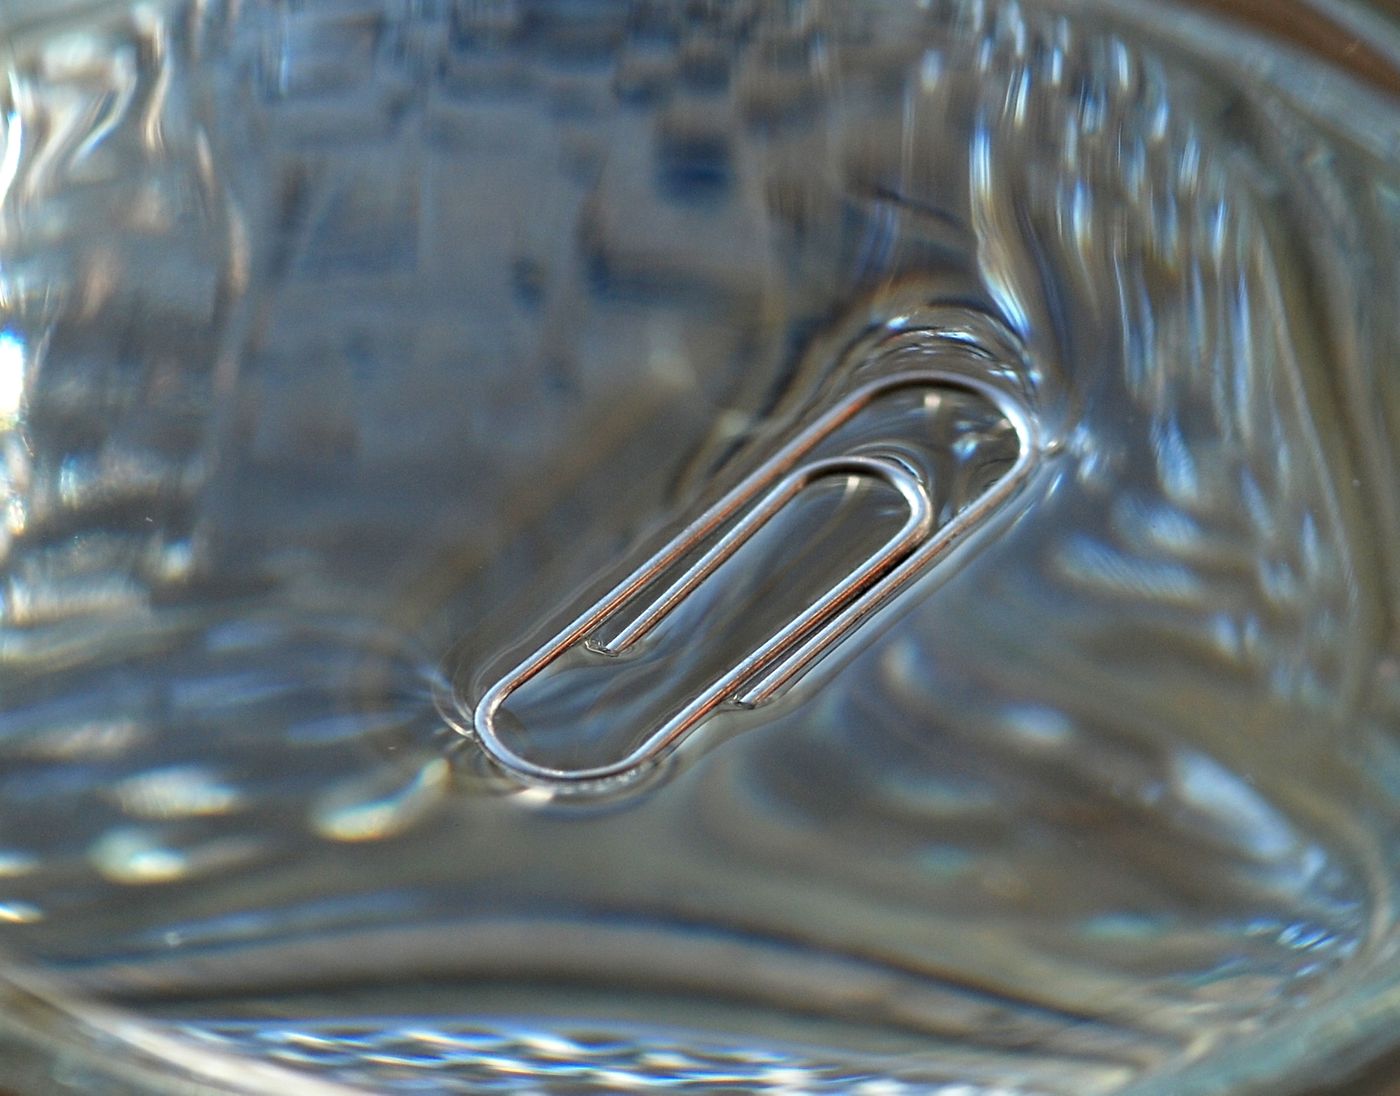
(342, 340)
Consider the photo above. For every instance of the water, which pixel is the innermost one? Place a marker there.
(348, 347)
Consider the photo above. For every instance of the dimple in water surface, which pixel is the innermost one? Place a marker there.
(707, 552)
(346, 346)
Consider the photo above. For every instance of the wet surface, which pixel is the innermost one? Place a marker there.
(345, 347)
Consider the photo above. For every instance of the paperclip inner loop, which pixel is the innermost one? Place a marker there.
(915, 497)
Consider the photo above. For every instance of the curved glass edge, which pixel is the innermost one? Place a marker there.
(51, 1043)
(1329, 1046)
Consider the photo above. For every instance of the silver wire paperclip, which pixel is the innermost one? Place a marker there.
(780, 660)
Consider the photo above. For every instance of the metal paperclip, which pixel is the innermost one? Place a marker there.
(775, 664)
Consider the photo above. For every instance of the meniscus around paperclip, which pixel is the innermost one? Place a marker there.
(642, 600)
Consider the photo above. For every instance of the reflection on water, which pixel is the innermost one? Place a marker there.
(342, 344)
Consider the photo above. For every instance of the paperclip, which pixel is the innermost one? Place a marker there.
(776, 663)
